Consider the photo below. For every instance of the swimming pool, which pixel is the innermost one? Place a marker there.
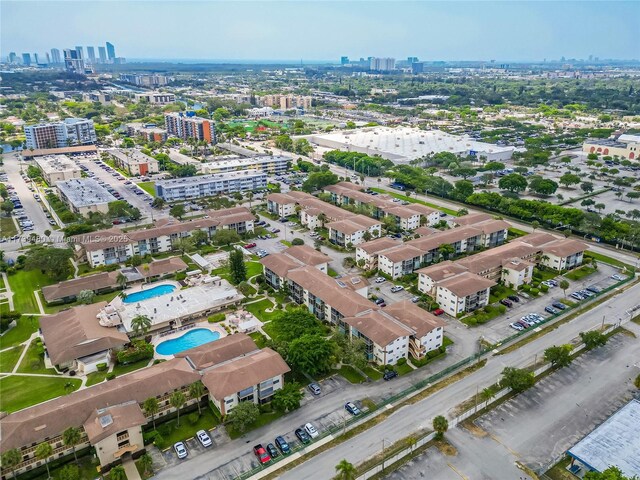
(191, 339)
(149, 293)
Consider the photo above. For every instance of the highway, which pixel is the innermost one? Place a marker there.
(215, 464)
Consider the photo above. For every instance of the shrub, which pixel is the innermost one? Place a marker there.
(535, 292)
(297, 241)
(402, 361)
(544, 288)
(149, 437)
(139, 350)
(180, 276)
(110, 376)
(502, 309)
(216, 317)
(526, 287)
(193, 418)
(472, 321)
(101, 367)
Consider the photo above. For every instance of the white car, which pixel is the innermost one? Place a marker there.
(397, 288)
(311, 430)
(617, 277)
(204, 438)
(380, 280)
(181, 450)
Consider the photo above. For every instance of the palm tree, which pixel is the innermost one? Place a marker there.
(11, 459)
(322, 218)
(71, 437)
(43, 452)
(146, 462)
(564, 286)
(176, 400)
(346, 470)
(411, 442)
(196, 390)
(487, 394)
(151, 407)
(140, 324)
(121, 280)
(117, 473)
(440, 425)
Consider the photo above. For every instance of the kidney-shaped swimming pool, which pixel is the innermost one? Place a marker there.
(193, 338)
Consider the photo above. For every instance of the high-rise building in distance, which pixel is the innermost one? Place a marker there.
(12, 58)
(72, 61)
(102, 53)
(189, 126)
(91, 54)
(80, 52)
(411, 60)
(344, 60)
(382, 64)
(26, 59)
(111, 52)
(55, 56)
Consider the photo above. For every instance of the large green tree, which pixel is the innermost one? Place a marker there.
(558, 355)
(516, 379)
(44, 451)
(71, 437)
(177, 400)
(311, 354)
(318, 180)
(243, 416)
(611, 473)
(346, 470)
(11, 459)
(225, 237)
(440, 425)
(196, 391)
(513, 182)
(288, 397)
(593, 339)
(151, 406)
(177, 211)
(237, 267)
(53, 262)
(288, 325)
(542, 186)
(140, 324)
(568, 179)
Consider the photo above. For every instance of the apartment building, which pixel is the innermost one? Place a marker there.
(84, 195)
(145, 80)
(111, 246)
(155, 98)
(187, 188)
(276, 267)
(270, 164)
(409, 216)
(286, 102)
(133, 161)
(71, 131)
(57, 168)
(149, 131)
(187, 125)
(367, 252)
(281, 204)
(353, 230)
(110, 415)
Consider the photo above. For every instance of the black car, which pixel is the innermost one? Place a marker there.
(594, 289)
(559, 306)
(273, 451)
(389, 374)
(282, 445)
(514, 298)
(302, 435)
(506, 303)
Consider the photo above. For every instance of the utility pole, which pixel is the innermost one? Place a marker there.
(382, 454)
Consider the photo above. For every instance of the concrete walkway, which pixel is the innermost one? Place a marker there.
(39, 302)
(131, 470)
(8, 294)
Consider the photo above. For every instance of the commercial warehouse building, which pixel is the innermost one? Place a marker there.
(403, 144)
(187, 188)
(84, 195)
(57, 168)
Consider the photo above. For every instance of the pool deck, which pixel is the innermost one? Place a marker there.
(157, 339)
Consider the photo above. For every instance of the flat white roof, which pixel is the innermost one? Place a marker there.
(56, 163)
(83, 192)
(211, 178)
(245, 162)
(615, 442)
(404, 143)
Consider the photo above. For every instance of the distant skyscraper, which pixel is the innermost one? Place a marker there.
(26, 59)
(102, 53)
(344, 60)
(411, 60)
(417, 67)
(55, 56)
(80, 52)
(72, 61)
(35, 58)
(91, 53)
(48, 57)
(111, 52)
(12, 58)
(382, 64)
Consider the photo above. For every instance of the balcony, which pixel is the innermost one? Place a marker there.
(124, 436)
(416, 349)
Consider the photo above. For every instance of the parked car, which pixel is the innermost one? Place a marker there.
(559, 305)
(577, 296)
(415, 299)
(181, 450)
(315, 388)
(506, 303)
(250, 245)
(617, 277)
(514, 298)
(516, 326)
(261, 453)
(311, 430)
(380, 280)
(283, 445)
(379, 300)
(204, 438)
(302, 435)
(352, 408)
(272, 450)
(594, 289)
(438, 311)
(389, 374)
(551, 310)
(396, 288)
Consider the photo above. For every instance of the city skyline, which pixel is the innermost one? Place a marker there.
(325, 31)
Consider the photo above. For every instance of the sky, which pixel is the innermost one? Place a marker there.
(320, 30)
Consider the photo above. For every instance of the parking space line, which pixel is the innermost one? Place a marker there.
(458, 472)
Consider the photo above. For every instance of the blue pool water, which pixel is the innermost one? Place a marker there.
(191, 339)
(149, 293)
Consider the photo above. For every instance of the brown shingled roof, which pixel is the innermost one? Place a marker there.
(442, 270)
(472, 218)
(414, 317)
(307, 255)
(73, 287)
(115, 419)
(163, 267)
(378, 328)
(379, 244)
(76, 333)
(219, 351)
(466, 284)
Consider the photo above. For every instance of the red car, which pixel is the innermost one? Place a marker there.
(438, 311)
(261, 453)
(249, 245)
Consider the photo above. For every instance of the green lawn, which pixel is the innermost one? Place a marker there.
(351, 374)
(580, 273)
(25, 326)
(540, 275)
(253, 269)
(415, 200)
(148, 187)
(260, 339)
(332, 273)
(500, 292)
(258, 309)
(9, 358)
(23, 283)
(404, 369)
(96, 377)
(40, 389)
(373, 373)
(122, 369)
(285, 243)
(611, 261)
(33, 362)
(7, 227)
(263, 419)
(175, 433)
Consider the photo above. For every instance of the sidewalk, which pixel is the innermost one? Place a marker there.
(131, 470)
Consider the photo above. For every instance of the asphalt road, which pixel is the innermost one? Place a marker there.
(404, 421)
